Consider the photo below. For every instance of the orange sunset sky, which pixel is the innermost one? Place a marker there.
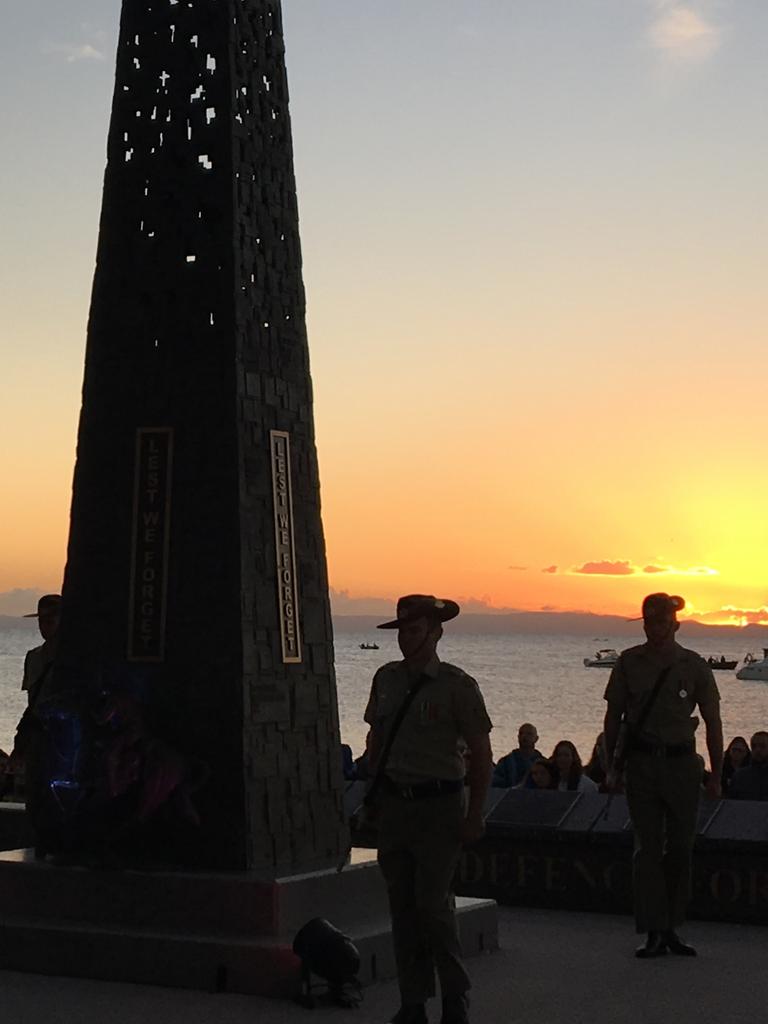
(534, 239)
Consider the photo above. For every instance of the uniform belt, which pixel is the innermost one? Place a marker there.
(662, 749)
(422, 790)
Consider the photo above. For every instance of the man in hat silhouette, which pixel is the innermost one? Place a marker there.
(39, 659)
(37, 665)
(423, 714)
(657, 685)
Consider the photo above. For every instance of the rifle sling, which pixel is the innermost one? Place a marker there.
(647, 707)
(401, 713)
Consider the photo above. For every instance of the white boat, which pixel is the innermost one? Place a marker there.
(605, 658)
(754, 668)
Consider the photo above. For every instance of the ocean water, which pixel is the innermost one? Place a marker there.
(533, 678)
(538, 679)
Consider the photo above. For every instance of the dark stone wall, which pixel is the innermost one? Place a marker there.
(198, 324)
(571, 851)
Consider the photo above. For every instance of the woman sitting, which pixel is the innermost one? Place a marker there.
(541, 775)
(737, 755)
(568, 769)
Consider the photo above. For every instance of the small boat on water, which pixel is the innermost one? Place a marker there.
(604, 658)
(722, 662)
(369, 647)
(754, 668)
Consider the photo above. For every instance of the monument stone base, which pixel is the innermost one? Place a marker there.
(208, 931)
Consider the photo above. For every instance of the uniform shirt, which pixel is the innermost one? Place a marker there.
(689, 682)
(36, 665)
(429, 742)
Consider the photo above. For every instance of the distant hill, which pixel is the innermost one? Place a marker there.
(569, 623)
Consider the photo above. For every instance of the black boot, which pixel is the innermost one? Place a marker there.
(455, 1009)
(654, 945)
(675, 944)
(410, 1013)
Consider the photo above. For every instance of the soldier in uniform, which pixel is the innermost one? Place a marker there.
(663, 771)
(37, 665)
(39, 659)
(31, 743)
(423, 821)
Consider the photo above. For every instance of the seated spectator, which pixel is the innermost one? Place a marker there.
(347, 764)
(737, 756)
(541, 775)
(513, 767)
(751, 782)
(568, 769)
(596, 768)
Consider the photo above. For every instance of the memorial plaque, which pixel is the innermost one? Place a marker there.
(740, 821)
(287, 596)
(149, 555)
(494, 795)
(585, 813)
(614, 818)
(529, 808)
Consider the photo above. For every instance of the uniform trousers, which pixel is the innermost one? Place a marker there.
(663, 798)
(419, 848)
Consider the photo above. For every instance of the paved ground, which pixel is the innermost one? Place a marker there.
(553, 968)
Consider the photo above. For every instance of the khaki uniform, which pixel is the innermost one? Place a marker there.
(36, 665)
(419, 839)
(31, 740)
(662, 783)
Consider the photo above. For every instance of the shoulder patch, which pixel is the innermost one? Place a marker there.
(458, 674)
(387, 667)
(632, 652)
(690, 655)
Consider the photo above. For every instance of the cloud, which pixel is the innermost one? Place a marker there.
(19, 601)
(517, 568)
(75, 52)
(550, 569)
(682, 33)
(624, 567)
(729, 615)
(671, 570)
(605, 568)
(483, 606)
(343, 603)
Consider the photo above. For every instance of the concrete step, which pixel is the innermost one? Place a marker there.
(213, 963)
(204, 931)
(261, 965)
(236, 902)
(169, 900)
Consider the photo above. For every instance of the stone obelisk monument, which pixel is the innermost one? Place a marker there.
(196, 568)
